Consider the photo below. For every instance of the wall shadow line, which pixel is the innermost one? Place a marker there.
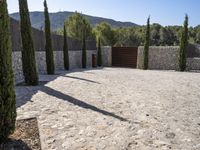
(82, 79)
(79, 103)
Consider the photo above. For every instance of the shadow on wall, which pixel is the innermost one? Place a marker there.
(193, 50)
(25, 93)
(39, 39)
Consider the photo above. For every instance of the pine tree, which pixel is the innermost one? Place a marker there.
(65, 50)
(28, 52)
(48, 45)
(183, 46)
(99, 57)
(75, 24)
(146, 46)
(7, 92)
(84, 53)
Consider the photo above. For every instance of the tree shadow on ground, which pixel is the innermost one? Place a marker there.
(25, 94)
(79, 103)
(13, 144)
(82, 79)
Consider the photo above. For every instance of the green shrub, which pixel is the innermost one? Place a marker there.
(84, 52)
(146, 45)
(183, 46)
(7, 92)
(28, 52)
(48, 45)
(99, 57)
(65, 50)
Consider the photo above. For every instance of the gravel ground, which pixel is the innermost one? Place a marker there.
(115, 109)
(25, 137)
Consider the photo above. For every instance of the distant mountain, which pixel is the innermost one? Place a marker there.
(57, 20)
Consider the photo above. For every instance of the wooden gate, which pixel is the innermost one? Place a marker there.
(124, 57)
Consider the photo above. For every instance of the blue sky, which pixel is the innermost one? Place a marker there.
(164, 12)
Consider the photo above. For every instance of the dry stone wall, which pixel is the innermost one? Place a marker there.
(75, 53)
(75, 58)
(193, 64)
(107, 56)
(165, 58)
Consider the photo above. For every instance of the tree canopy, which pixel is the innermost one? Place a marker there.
(105, 32)
(76, 24)
(128, 36)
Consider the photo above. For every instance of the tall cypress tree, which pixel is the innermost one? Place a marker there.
(48, 45)
(99, 57)
(65, 50)
(7, 92)
(146, 45)
(183, 46)
(84, 52)
(28, 52)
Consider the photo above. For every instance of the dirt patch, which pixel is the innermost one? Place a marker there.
(25, 137)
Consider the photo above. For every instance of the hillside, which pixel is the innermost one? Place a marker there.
(57, 20)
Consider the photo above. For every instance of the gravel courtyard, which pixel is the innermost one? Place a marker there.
(115, 109)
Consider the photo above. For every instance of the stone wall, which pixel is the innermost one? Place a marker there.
(166, 58)
(75, 59)
(193, 51)
(160, 57)
(75, 53)
(107, 56)
(17, 66)
(193, 64)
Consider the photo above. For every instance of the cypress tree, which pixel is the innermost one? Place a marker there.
(7, 92)
(146, 45)
(84, 53)
(28, 52)
(99, 57)
(183, 46)
(48, 45)
(65, 50)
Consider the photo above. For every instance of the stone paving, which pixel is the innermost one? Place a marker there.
(115, 109)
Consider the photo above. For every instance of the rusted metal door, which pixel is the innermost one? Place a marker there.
(124, 57)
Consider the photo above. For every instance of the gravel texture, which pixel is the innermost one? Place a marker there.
(115, 109)
(25, 137)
